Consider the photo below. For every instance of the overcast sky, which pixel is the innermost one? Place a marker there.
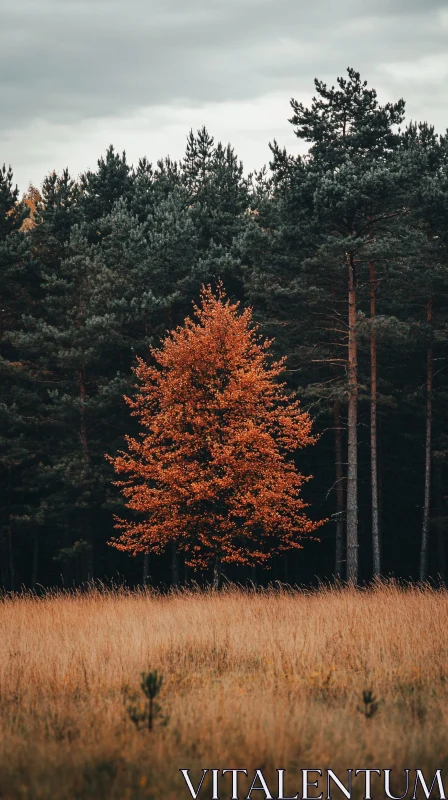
(77, 75)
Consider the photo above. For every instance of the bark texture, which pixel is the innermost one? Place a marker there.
(373, 427)
(428, 454)
(339, 552)
(352, 427)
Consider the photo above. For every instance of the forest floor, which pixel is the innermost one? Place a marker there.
(252, 680)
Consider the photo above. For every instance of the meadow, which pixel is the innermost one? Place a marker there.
(252, 679)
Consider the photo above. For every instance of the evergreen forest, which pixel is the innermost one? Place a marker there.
(342, 254)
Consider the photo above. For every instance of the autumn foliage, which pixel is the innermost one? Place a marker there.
(213, 468)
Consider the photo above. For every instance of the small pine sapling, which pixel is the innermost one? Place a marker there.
(143, 713)
(370, 704)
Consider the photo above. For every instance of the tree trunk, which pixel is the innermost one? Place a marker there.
(3, 565)
(12, 577)
(174, 565)
(441, 555)
(89, 558)
(427, 494)
(86, 455)
(380, 489)
(373, 426)
(145, 569)
(66, 567)
(35, 558)
(339, 555)
(216, 566)
(352, 468)
(83, 426)
(253, 574)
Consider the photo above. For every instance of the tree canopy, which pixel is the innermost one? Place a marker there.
(211, 469)
(342, 256)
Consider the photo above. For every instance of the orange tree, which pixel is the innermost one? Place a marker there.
(213, 468)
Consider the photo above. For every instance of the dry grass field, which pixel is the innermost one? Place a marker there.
(251, 680)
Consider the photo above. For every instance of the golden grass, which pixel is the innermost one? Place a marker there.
(252, 680)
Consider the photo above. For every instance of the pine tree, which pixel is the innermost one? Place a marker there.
(32, 199)
(427, 159)
(351, 137)
(291, 300)
(101, 268)
(100, 190)
(97, 307)
(17, 284)
(217, 188)
(210, 469)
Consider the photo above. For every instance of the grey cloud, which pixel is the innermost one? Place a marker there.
(78, 74)
(67, 61)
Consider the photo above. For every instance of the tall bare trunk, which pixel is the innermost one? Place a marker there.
(66, 566)
(339, 555)
(35, 558)
(83, 426)
(352, 468)
(86, 563)
(145, 569)
(3, 564)
(174, 565)
(380, 487)
(86, 456)
(216, 566)
(427, 495)
(373, 426)
(12, 575)
(441, 554)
